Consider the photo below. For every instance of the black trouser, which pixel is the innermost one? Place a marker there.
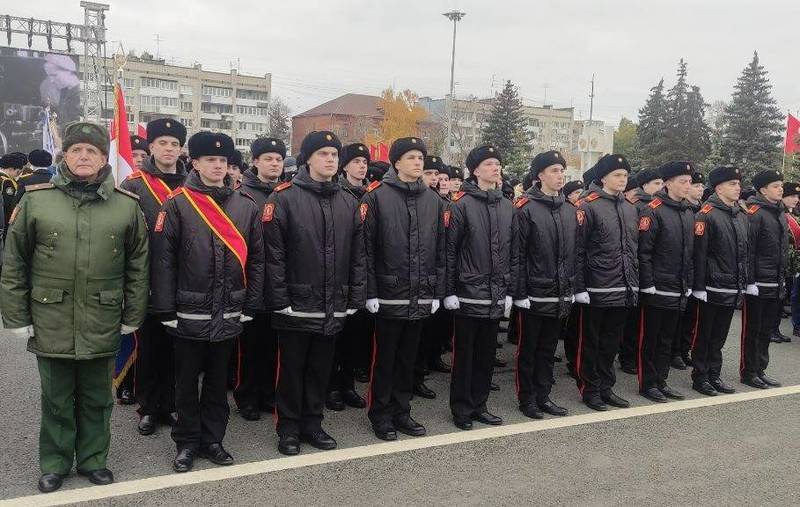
(474, 345)
(628, 350)
(570, 334)
(352, 347)
(256, 352)
(535, 356)
(303, 375)
(436, 330)
(127, 382)
(658, 328)
(598, 343)
(394, 352)
(758, 320)
(155, 368)
(687, 327)
(202, 419)
(712, 330)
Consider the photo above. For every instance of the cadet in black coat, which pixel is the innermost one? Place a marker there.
(720, 276)
(204, 301)
(355, 340)
(160, 174)
(482, 255)
(607, 279)
(315, 263)
(405, 238)
(257, 347)
(544, 294)
(768, 240)
(666, 265)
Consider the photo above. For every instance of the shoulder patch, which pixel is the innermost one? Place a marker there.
(634, 199)
(522, 201)
(581, 216)
(40, 186)
(283, 186)
(655, 203)
(372, 186)
(363, 209)
(245, 194)
(458, 195)
(752, 209)
(591, 197)
(175, 192)
(706, 209)
(134, 175)
(269, 212)
(162, 216)
(644, 223)
(123, 191)
(699, 228)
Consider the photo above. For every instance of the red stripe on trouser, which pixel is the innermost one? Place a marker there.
(696, 324)
(640, 373)
(519, 349)
(578, 359)
(238, 363)
(136, 362)
(372, 365)
(742, 344)
(275, 415)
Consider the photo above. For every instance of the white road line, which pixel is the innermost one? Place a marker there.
(378, 449)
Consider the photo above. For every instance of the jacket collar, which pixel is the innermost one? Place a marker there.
(101, 188)
(303, 180)
(391, 179)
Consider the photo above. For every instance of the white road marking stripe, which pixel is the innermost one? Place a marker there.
(365, 451)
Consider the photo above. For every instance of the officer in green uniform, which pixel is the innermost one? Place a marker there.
(75, 276)
(11, 166)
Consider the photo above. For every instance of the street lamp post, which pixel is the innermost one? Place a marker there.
(455, 17)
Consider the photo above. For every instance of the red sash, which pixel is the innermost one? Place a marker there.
(156, 186)
(220, 223)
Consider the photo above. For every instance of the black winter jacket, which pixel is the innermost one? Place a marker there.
(548, 229)
(315, 255)
(721, 252)
(260, 192)
(482, 251)
(666, 249)
(405, 245)
(194, 276)
(768, 240)
(607, 260)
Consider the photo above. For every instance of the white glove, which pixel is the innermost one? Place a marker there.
(523, 303)
(434, 306)
(372, 305)
(22, 332)
(701, 295)
(752, 290)
(285, 311)
(508, 304)
(451, 303)
(582, 298)
(688, 292)
(649, 290)
(572, 298)
(245, 318)
(171, 323)
(127, 329)
(350, 311)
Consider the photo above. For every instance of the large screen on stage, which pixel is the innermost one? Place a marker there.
(30, 82)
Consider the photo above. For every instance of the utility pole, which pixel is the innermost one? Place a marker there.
(588, 127)
(455, 17)
(158, 46)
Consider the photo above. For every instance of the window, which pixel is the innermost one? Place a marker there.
(216, 91)
(186, 90)
(161, 84)
(187, 122)
(186, 106)
(251, 94)
(128, 83)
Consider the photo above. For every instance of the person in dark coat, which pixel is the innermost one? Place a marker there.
(355, 340)
(607, 280)
(548, 229)
(768, 252)
(405, 245)
(720, 276)
(315, 264)
(482, 255)
(666, 265)
(160, 174)
(203, 302)
(257, 347)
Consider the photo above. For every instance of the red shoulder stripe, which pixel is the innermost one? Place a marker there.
(283, 186)
(372, 186)
(706, 209)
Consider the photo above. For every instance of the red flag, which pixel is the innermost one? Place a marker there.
(792, 135)
(120, 154)
(141, 130)
(383, 152)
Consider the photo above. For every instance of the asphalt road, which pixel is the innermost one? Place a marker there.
(744, 452)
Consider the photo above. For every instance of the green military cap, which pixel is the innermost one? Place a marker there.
(85, 132)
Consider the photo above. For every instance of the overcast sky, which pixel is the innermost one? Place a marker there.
(317, 50)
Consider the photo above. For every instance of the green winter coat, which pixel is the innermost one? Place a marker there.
(75, 266)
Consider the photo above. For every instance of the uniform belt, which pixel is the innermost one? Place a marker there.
(724, 291)
(195, 316)
(548, 300)
(483, 302)
(610, 289)
(765, 284)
